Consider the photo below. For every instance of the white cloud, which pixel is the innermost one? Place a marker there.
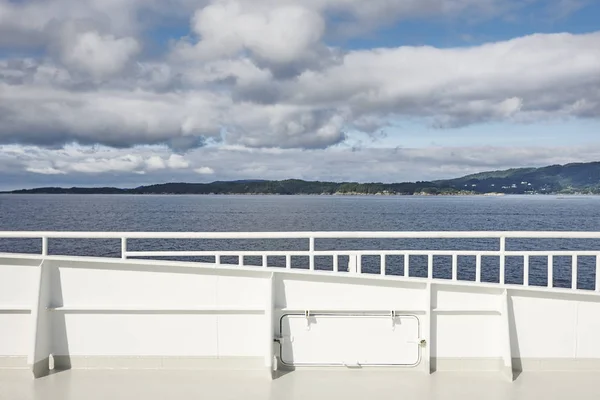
(177, 161)
(78, 164)
(522, 79)
(90, 52)
(280, 34)
(204, 171)
(528, 79)
(155, 163)
(45, 171)
(46, 115)
(260, 74)
(285, 126)
(29, 22)
(75, 159)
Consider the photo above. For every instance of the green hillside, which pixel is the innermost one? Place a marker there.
(570, 178)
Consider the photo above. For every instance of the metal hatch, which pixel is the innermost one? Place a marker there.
(350, 340)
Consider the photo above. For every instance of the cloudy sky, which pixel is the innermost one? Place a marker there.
(131, 92)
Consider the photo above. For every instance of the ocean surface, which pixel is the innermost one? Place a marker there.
(318, 213)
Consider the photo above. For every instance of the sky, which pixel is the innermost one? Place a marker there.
(132, 92)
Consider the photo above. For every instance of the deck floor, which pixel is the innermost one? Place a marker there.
(313, 385)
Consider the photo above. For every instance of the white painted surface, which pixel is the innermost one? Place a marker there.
(17, 285)
(546, 327)
(146, 310)
(18, 294)
(316, 293)
(351, 340)
(15, 334)
(469, 336)
(587, 341)
(41, 340)
(349, 384)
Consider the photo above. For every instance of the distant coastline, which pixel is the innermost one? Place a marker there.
(125, 192)
(236, 192)
(569, 179)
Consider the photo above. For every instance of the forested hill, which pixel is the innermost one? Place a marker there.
(285, 187)
(570, 178)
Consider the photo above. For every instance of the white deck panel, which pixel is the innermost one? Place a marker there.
(367, 340)
(95, 313)
(297, 385)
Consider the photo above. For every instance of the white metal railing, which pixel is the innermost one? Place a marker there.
(355, 256)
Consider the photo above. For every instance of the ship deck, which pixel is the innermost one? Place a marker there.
(133, 328)
(313, 385)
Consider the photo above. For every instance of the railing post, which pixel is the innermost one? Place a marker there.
(124, 248)
(335, 263)
(454, 267)
(574, 272)
(430, 266)
(382, 271)
(264, 260)
(406, 264)
(269, 324)
(597, 288)
(359, 263)
(478, 268)
(288, 261)
(311, 249)
(352, 264)
(526, 270)
(44, 246)
(550, 271)
(502, 258)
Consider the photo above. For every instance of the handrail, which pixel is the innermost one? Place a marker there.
(355, 256)
(305, 235)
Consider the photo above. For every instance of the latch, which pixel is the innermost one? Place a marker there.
(307, 316)
(419, 342)
(283, 339)
(393, 315)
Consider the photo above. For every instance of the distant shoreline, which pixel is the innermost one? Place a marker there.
(558, 180)
(312, 194)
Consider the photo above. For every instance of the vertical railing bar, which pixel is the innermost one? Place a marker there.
(597, 288)
(288, 261)
(526, 270)
(382, 271)
(359, 263)
(478, 268)
(406, 264)
(574, 272)
(44, 246)
(550, 271)
(241, 260)
(311, 249)
(264, 261)
(502, 258)
(124, 248)
(217, 259)
(336, 263)
(454, 267)
(430, 266)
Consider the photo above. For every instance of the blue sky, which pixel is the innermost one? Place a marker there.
(538, 17)
(145, 91)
